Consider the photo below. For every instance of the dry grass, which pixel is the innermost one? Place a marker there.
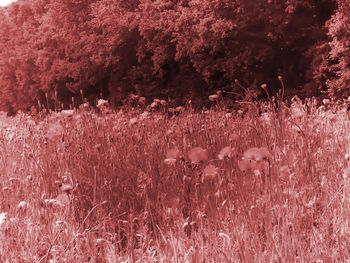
(133, 187)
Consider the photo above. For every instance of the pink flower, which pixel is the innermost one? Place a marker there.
(244, 165)
(210, 171)
(257, 154)
(173, 154)
(226, 152)
(197, 154)
(254, 159)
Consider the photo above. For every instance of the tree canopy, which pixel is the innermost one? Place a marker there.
(53, 50)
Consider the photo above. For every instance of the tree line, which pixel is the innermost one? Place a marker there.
(54, 50)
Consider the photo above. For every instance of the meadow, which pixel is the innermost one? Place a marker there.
(263, 185)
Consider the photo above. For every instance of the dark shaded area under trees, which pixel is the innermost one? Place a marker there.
(53, 50)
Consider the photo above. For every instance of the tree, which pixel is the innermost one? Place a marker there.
(178, 49)
(65, 58)
(18, 79)
(221, 41)
(338, 60)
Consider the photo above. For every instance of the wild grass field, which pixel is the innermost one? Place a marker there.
(210, 186)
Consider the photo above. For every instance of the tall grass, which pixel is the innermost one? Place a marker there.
(213, 186)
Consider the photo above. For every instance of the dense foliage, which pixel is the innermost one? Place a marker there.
(53, 50)
(337, 62)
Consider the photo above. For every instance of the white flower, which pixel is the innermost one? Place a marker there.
(102, 103)
(3, 217)
(54, 203)
(154, 104)
(326, 101)
(59, 223)
(22, 205)
(66, 187)
(132, 121)
(170, 161)
(86, 105)
(347, 156)
(66, 113)
(100, 241)
(213, 97)
(144, 115)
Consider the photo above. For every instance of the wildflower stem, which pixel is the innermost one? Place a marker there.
(46, 256)
(282, 83)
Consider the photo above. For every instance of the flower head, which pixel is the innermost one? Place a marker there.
(66, 113)
(179, 109)
(226, 152)
(326, 101)
(346, 173)
(170, 161)
(66, 188)
(213, 97)
(3, 217)
(210, 171)
(244, 165)
(347, 157)
(257, 154)
(133, 96)
(102, 103)
(197, 154)
(22, 205)
(154, 104)
(173, 154)
(253, 159)
(132, 121)
(163, 102)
